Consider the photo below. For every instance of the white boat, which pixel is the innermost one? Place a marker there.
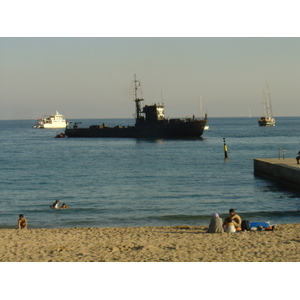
(267, 119)
(51, 121)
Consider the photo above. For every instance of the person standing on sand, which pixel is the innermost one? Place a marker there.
(22, 222)
(236, 219)
(298, 157)
(215, 225)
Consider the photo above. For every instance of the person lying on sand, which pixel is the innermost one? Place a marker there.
(22, 222)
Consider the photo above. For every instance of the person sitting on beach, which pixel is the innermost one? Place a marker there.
(298, 157)
(55, 205)
(64, 206)
(230, 225)
(236, 219)
(215, 225)
(22, 222)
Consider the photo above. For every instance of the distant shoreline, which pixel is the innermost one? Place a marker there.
(131, 118)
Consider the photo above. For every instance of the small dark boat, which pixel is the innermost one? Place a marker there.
(61, 135)
(149, 122)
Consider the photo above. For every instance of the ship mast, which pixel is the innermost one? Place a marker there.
(200, 106)
(265, 104)
(137, 100)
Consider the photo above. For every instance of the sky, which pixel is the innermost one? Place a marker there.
(92, 77)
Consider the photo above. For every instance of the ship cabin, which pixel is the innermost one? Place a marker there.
(153, 114)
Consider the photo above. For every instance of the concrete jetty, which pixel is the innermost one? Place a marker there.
(285, 171)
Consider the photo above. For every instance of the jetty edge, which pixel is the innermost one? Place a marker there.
(285, 171)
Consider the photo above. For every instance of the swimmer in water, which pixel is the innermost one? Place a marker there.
(55, 205)
(64, 206)
(22, 222)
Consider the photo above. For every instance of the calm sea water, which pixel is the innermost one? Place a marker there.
(112, 182)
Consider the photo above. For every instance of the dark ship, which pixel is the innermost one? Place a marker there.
(149, 122)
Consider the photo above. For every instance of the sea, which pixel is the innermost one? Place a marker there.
(122, 182)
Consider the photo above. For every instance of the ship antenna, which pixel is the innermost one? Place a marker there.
(200, 106)
(136, 99)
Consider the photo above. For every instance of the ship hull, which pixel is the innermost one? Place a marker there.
(54, 126)
(266, 122)
(163, 130)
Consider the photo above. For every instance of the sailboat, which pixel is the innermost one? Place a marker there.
(249, 115)
(267, 119)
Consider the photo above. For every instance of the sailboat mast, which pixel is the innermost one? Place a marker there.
(269, 105)
(265, 104)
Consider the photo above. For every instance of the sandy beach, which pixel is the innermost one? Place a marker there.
(149, 244)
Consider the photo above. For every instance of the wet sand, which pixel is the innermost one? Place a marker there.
(149, 244)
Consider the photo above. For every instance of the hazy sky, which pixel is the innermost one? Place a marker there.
(91, 77)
